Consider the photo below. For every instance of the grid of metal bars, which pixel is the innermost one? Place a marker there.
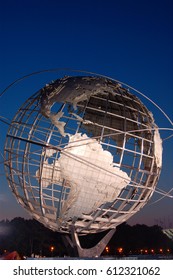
(121, 124)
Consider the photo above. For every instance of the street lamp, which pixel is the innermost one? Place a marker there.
(52, 248)
(120, 250)
(107, 249)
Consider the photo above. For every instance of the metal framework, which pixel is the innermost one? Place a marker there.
(83, 143)
(73, 244)
(169, 232)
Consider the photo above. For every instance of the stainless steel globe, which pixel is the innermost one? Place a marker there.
(84, 152)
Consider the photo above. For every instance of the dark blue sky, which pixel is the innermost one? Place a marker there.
(131, 41)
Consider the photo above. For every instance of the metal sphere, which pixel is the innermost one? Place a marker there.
(83, 151)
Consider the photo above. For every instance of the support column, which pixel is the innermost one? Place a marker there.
(92, 252)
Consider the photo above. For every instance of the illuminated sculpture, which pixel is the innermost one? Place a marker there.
(83, 155)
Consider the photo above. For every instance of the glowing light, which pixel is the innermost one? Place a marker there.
(120, 250)
(107, 249)
(52, 248)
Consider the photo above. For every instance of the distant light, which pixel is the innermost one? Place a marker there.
(107, 249)
(52, 248)
(120, 250)
(161, 250)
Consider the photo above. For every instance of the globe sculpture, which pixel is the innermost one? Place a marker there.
(83, 155)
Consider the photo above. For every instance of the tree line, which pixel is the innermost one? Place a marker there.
(30, 238)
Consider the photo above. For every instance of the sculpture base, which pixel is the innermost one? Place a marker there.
(74, 246)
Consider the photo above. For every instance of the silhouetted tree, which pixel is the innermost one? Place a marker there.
(29, 237)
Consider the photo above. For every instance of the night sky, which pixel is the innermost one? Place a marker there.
(131, 41)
